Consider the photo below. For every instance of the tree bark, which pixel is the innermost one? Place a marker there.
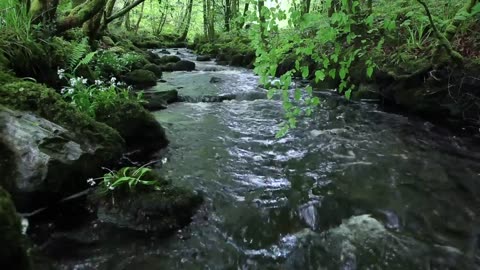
(124, 11)
(80, 14)
(189, 17)
(228, 14)
(139, 18)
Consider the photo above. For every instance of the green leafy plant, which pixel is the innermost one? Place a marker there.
(127, 178)
(109, 63)
(88, 98)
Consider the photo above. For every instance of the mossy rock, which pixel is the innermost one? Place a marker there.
(54, 147)
(108, 41)
(136, 125)
(141, 78)
(45, 102)
(13, 254)
(165, 208)
(155, 69)
(169, 59)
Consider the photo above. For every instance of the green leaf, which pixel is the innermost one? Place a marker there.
(319, 75)
(348, 93)
(298, 94)
(305, 72)
(370, 71)
(270, 93)
(343, 73)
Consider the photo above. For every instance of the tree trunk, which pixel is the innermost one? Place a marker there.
(228, 15)
(261, 17)
(124, 11)
(189, 17)
(140, 18)
(205, 19)
(245, 10)
(43, 10)
(80, 14)
(306, 6)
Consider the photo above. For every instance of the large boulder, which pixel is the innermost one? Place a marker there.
(168, 59)
(49, 148)
(158, 100)
(154, 68)
(141, 78)
(13, 254)
(141, 132)
(184, 65)
(158, 210)
(203, 58)
(237, 60)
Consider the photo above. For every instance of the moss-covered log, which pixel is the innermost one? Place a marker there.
(80, 15)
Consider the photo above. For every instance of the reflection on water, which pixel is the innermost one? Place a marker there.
(351, 188)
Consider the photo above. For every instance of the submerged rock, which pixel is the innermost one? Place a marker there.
(13, 253)
(160, 99)
(141, 78)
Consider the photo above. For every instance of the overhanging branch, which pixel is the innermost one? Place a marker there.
(123, 11)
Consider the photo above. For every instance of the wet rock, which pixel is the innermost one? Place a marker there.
(215, 80)
(140, 78)
(237, 60)
(203, 58)
(151, 56)
(158, 100)
(13, 252)
(154, 68)
(143, 209)
(184, 65)
(207, 98)
(139, 129)
(164, 51)
(50, 150)
(168, 59)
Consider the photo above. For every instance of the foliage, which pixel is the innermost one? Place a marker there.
(88, 98)
(111, 63)
(130, 177)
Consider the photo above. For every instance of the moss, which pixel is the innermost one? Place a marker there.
(13, 253)
(45, 102)
(136, 125)
(6, 77)
(141, 78)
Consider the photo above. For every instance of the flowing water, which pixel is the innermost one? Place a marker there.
(351, 188)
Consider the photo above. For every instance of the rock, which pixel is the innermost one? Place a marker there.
(108, 41)
(155, 69)
(158, 100)
(215, 80)
(117, 50)
(141, 132)
(179, 53)
(364, 91)
(184, 65)
(203, 58)
(168, 59)
(141, 78)
(237, 60)
(151, 56)
(164, 51)
(13, 253)
(143, 209)
(50, 148)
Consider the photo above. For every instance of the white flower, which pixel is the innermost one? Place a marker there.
(84, 81)
(113, 80)
(60, 73)
(73, 81)
(111, 188)
(98, 82)
(70, 91)
(164, 160)
(91, 182)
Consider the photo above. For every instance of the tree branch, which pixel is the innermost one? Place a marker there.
(123, 11)
(80, 14)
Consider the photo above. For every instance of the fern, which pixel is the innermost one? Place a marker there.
(86, 60)
(78, 51)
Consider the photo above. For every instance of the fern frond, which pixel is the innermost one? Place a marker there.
(78, 51)
(86, 60)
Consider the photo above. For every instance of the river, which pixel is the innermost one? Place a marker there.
(352, 187)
